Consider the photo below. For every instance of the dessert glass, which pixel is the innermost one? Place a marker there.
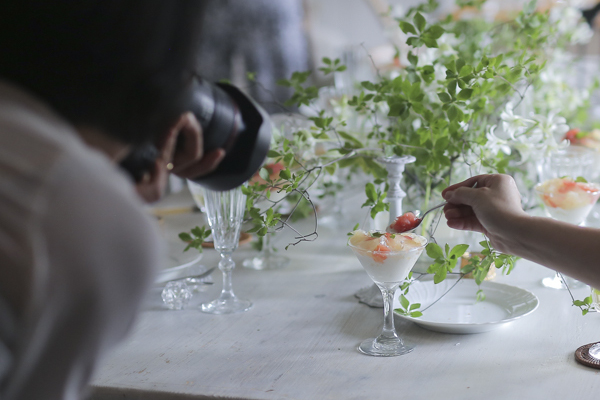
(567, 201)
(388, 269)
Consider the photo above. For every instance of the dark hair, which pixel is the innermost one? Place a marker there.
(119, 65)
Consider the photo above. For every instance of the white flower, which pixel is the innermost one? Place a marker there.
(513, 125)
(568, 21)
(495, 144)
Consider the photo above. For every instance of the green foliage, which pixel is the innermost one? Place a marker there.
(375, 199)
(585, 305)
(480, 266)
(406, 308)
(332, 66)
(438, 110)
(443, 262)
(195, 237)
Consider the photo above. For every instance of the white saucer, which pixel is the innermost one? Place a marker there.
(459, 312)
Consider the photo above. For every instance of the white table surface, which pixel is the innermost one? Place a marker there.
(299, 342)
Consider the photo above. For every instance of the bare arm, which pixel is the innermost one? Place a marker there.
(494, 208)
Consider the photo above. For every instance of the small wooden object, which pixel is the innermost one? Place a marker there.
(582, 355)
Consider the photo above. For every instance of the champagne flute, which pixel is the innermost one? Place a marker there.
(225, 211)
(387, 258)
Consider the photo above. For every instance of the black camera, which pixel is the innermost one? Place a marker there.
(231, 121)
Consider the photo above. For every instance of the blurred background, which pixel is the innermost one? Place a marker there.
(270, 39)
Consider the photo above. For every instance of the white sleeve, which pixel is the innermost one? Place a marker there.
(100, 252)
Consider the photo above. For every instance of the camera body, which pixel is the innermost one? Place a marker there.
(230, 120)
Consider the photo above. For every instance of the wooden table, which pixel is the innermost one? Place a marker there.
(299, 342)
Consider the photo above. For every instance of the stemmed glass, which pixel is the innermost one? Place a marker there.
(266, 259)
(574, 161)
(388, 269)
(225, 211)
(197, 193)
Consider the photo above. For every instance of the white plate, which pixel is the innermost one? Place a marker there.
(459, 312)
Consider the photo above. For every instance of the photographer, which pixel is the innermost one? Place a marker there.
(82, 83)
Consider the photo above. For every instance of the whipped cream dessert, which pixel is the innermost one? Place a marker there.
(387, 257)
(567, 200)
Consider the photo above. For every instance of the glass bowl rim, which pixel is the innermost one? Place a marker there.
(538, 189)
(390, 252)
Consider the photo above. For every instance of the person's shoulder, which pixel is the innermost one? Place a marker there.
(93, 194)
(97, 230)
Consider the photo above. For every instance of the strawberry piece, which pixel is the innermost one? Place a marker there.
(378, 253)
(567, 186)
(548, 200)
(274, 170)
(586, 187)
(405, 222)
(571, 135)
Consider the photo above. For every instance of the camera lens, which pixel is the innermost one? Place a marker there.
(232, 121)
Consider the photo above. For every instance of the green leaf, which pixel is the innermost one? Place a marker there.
(404, 302)
(419, 21)
(273, 154)
(452, 113)
(264, 173)
(368, 85)
(458, 250)
(413, 59)
(430, 42)
(285, 174)
(371, 192)
(397, 109)
(407, 27)
(434, 251)
(444, 97)
(529, 7)
(185, 237)
(465, 94)
(435, 31)
(440, 275)
(416, 314)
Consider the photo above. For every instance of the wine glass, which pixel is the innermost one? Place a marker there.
(562, 198)
(267, 258)
(387, 259)
(197, 192)
(225, 211)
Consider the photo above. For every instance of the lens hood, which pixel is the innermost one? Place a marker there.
(246, 145)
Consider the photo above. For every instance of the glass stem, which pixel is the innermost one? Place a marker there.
(389, 331)
(266, 250)
(226, 265)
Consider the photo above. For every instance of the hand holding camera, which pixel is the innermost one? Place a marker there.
(180, 151)
(228, 126)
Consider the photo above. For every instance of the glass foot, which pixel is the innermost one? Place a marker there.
(594, 351)
(229, 306)
(266, 262)
(389, 348)
(555, 282)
